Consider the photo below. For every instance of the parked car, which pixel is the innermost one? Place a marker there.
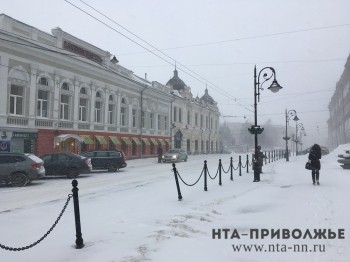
(66, 164)
(174, 155)
(110, 160)
(19, 169)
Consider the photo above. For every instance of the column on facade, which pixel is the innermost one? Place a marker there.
(92, 105)
(106, 104)
(119, 98)
(56, 95)
(3, 86)
(32, 93)
(76, 97)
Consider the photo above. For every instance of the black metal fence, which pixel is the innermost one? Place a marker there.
(270, 156)
(79, 240)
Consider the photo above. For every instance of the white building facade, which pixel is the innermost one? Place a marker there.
(60, 93)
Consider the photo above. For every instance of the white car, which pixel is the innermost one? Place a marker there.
(175, 155)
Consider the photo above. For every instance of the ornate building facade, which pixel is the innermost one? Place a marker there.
(60, 93)
(195, 121)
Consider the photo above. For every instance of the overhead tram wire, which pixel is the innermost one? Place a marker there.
(219, 90)
(250, 37)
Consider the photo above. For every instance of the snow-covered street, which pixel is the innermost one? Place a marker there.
(134, 215)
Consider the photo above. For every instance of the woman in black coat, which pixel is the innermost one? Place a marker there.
(314, 157)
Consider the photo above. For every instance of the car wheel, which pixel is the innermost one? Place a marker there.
(112, 168)
(72, 173)
(18, 179)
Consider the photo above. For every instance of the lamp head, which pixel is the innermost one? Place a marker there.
(296, 118)
(275, 86)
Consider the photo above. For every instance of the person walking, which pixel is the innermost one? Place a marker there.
(160, 154)
(314, 157)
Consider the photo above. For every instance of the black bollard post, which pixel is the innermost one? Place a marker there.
(240, 165)
(179, 196)
(220, 166)
(247, 163)
(269, 157)
(79, 242)
(205, 176)
(231, 167)
(265, 158)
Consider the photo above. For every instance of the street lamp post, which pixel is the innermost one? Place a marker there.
(274, 87)
(289, 115)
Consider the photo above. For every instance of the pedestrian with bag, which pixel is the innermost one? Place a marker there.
(314, 157)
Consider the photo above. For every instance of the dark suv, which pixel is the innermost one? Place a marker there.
(66, 164)
(110, 160)
(20, 169)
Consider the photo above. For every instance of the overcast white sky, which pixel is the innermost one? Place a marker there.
(217, 43)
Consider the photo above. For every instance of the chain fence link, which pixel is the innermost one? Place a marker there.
(44, 236)
(187, 183)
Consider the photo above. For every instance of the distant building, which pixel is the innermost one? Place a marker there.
(339, 110)
(195, 121)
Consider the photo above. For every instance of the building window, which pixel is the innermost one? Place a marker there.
(83, 91)
(43, 81)
(188, 117)
(206, 122)
(196, 119)
(16, 100)
(123, 112)
(122, 116)
(151, 118)
(111, 109)
(64, 107)
(134, 122)
(42, 103)
(110, 113)
(98, 112)
(165, 122)
(83, 109)
(143, 119)
(65, 86)
(201, 121)
(159, 122)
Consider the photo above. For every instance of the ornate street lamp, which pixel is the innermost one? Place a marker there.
(289, 115)
(255, 129)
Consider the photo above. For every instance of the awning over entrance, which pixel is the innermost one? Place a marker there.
(101, 139)
(64, 137)
(154, 141)
(162, 142)
(115, 140)
(146, 141)
(126, 140)
(87, 139)
(136, 140)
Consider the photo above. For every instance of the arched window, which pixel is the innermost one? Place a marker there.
(43, 81)
(83, 105)
(83, 91)
(111, 110)
(98, 107)
(123, 112)
(65, 86)
(42, 103)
